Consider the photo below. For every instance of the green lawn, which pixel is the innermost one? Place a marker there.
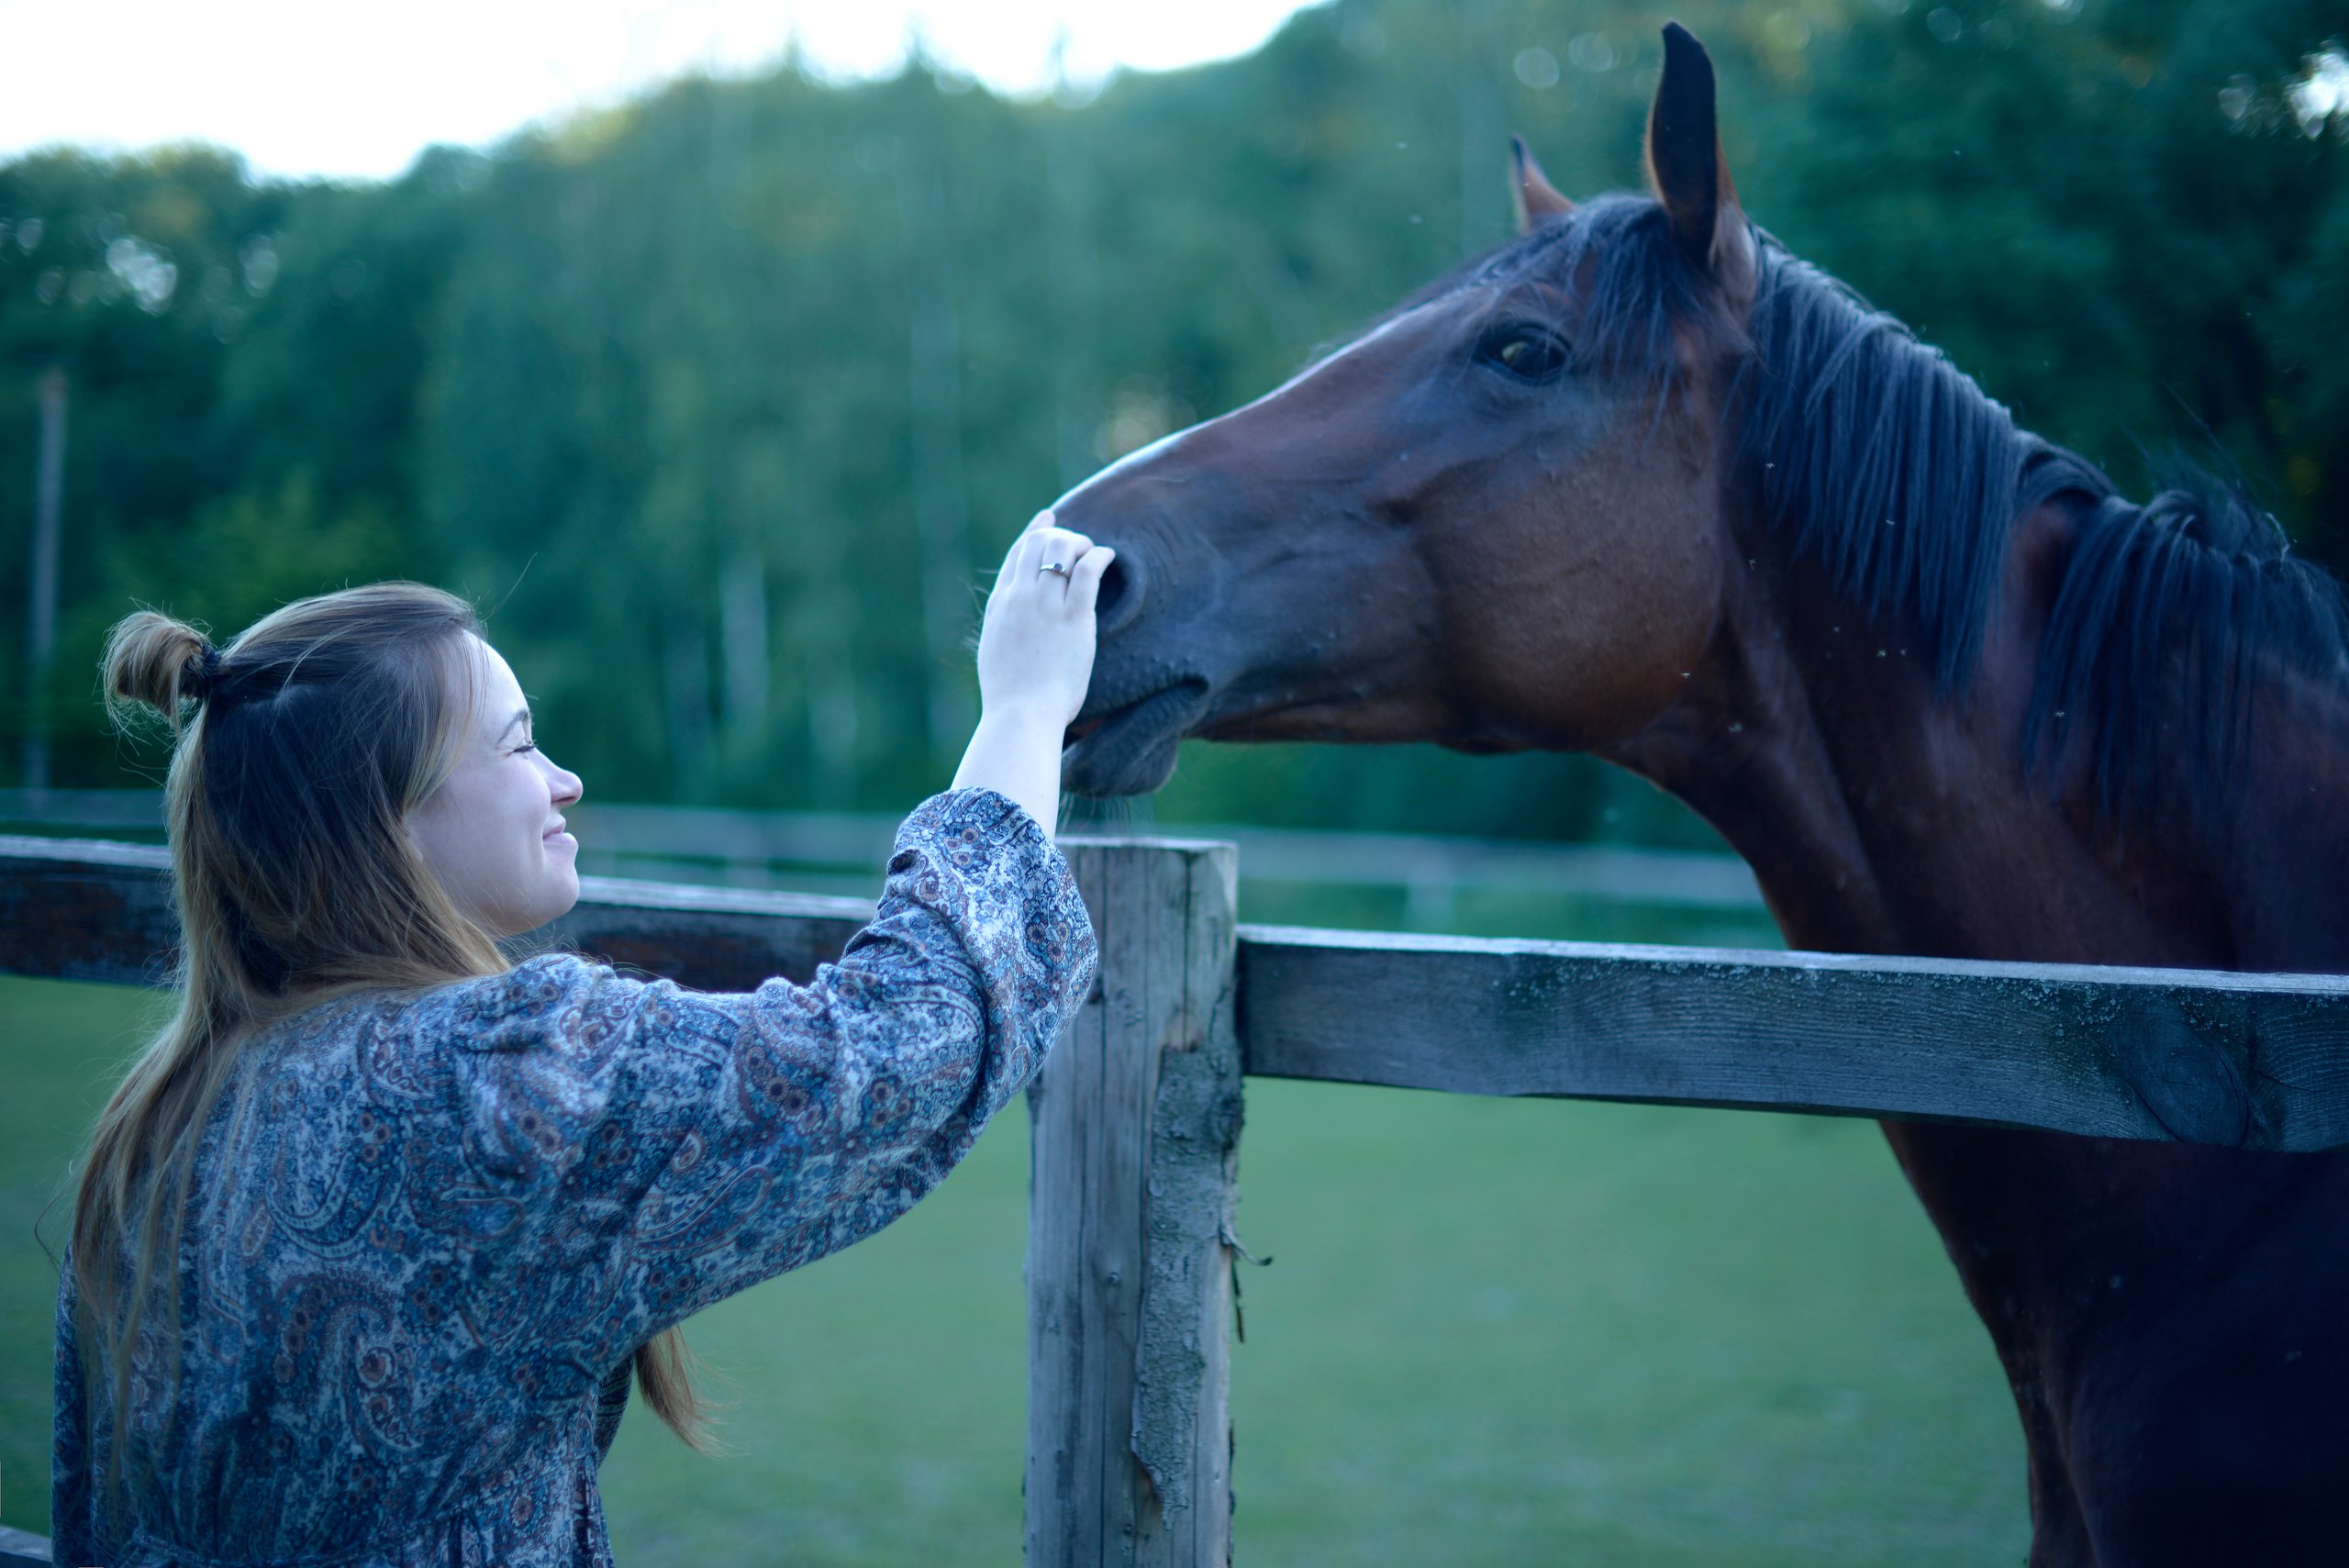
(1494, 1333)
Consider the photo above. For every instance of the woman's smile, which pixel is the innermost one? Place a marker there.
(470, 829)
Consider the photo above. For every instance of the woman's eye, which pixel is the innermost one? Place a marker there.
(526, 746)
(1526, 351)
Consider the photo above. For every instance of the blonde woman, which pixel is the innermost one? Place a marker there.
(367, 1243)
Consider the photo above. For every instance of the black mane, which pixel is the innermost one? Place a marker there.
(1868, 451)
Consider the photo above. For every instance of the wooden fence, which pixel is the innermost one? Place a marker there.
(1135, 1118)
(842, 852)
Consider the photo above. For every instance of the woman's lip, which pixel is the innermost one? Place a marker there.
(560, 837)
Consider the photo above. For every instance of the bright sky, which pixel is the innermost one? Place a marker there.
(346, 88)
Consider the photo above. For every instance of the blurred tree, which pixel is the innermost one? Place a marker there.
(115, 270)
(241, 557)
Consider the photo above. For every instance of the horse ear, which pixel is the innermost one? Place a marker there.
(1690, 176)
(1536, 199)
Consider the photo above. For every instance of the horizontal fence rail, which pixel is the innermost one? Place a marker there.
(2242, 1060)
(2246, 1061)
(89, 909)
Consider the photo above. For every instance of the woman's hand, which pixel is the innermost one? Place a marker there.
(1036, 645)
(1035, 662)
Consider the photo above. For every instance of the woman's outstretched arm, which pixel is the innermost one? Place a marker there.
(633, 1152)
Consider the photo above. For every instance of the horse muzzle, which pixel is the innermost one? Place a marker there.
(1130, 749)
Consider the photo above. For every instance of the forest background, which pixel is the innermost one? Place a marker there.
(724, 401)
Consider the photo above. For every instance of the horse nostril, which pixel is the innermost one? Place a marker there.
(1120, 597)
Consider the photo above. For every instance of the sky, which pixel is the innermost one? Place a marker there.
(346, 89)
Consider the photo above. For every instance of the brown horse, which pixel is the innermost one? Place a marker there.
(1641, 483)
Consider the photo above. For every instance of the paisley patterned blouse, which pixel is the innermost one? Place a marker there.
(427, 1233)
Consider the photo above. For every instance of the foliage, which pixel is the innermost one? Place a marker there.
(724, 400)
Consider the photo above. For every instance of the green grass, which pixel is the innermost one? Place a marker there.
(1494, 1332)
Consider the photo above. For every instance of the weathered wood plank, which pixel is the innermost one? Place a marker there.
(2260, 1061)
(21, 1549)
(86, 909)
(89, 909)
(1182, 1422)
(2246, 1060)
(1135, 1122)
(710, 938)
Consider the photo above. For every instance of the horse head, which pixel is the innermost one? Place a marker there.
(1493, 520)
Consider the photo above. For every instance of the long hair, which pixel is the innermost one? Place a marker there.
(299, 751)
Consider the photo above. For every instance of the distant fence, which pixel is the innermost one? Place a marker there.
(842, 852)
(1135, 1117)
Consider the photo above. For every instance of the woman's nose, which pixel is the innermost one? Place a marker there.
(566, 787)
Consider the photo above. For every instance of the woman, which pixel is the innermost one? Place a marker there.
(368, 1241)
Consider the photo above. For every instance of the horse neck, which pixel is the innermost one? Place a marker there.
(1881, 818)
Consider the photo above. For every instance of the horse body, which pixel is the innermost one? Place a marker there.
(1637, 484)
(2173, 1320)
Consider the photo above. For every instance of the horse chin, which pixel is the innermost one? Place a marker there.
(1131, 751)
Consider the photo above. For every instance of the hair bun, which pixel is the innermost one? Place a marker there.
(155, 661)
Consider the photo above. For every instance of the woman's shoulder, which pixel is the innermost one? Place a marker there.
(554, 1000)
(551, 998)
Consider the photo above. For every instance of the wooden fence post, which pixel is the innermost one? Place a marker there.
(1135, 1128)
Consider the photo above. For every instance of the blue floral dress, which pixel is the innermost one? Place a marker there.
(426, 1234)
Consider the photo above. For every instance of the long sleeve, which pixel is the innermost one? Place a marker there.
(642, 1151)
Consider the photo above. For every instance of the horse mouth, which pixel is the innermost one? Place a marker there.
(1131, 750)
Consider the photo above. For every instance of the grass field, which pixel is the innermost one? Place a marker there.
(1492, 1333)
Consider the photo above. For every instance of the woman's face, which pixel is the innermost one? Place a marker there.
(493, 833)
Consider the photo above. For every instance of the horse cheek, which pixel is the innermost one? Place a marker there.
(1615, 631)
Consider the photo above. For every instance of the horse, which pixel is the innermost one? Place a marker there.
(1640, 482)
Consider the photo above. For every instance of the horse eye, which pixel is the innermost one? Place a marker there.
(1526, 351)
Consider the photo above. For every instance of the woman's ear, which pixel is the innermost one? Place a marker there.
(1691, 177)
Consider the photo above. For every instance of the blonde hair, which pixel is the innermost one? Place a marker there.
(299, 752)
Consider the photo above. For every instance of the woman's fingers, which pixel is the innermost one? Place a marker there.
(1022, 556)
(1062, 549)
(1025, 545)
(1085, 577)
(1043, 545)
(1048, 552)
(1041, 542)
(1037, 642)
